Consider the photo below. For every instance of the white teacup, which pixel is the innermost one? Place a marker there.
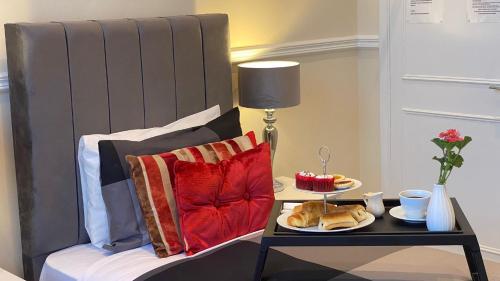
(414, 202)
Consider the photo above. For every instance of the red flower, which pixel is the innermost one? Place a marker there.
(451, 135)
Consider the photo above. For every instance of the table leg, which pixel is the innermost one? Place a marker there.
(261, 261)
(475, 262)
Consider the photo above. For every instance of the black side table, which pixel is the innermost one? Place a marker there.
(386, 231)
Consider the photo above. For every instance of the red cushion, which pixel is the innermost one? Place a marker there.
(219, 202)
(154, 179)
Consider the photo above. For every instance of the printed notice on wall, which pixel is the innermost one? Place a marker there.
(425, 11)
(483, 11)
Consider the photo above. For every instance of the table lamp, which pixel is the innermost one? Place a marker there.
(269, 85)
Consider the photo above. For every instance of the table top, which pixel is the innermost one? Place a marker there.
(384, 231)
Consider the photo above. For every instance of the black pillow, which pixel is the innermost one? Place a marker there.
(126, 223)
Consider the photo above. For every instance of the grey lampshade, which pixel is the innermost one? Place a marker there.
(269, 84)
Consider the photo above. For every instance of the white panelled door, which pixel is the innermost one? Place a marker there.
(436, 77)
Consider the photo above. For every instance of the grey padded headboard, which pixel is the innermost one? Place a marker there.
(68, 79)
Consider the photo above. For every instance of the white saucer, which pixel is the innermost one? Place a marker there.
(399, 213)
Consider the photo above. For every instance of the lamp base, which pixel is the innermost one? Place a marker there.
(278, 186)
(270, 135)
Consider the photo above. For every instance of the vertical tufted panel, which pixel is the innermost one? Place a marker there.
(42, 126)
(188, 59)
(123, 64)
(217, 63)
(87, 66)
(74, 78)
(157, 71)
(87, 69)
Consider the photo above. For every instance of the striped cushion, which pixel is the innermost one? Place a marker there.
(153, 176)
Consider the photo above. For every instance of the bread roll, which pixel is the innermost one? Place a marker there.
(337, 219)
(314, 206)
(303, 219)
(357, 211)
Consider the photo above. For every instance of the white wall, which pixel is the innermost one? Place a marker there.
(339, 97)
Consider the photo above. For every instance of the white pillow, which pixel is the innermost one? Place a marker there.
(94, 209)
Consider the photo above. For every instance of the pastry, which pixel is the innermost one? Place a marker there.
(323, 183)
(308, 213)
(337, 220)
(314, 206)
(338, 177)
(304, 180)
(358, 212)
(344, 184)
(303, 219)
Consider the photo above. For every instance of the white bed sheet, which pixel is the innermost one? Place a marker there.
(89, 263)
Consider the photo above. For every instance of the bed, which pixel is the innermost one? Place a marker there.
(87, 263)
(69, 79)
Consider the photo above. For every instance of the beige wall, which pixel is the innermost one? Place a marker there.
(49, 10)
(10, 255)
(368, 95)
(338, 88)
(327, 115)
(269, 22)
(367, 17)
(369, 115)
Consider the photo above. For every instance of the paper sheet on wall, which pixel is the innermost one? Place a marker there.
(483, 11)
(425, 11)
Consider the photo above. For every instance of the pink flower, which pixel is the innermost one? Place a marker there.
(451, 135)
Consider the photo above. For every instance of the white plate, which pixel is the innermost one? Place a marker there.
(399, 213)
(281, 220)
(357, 184)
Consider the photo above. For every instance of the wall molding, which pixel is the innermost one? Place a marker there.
(489, 253)
(454, 115)
(451, 79)
(490, 250)
(240, 54)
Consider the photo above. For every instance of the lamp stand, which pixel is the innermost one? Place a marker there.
(270, 135)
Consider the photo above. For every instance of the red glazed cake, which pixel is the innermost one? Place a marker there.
(323, 183)
(304, 180)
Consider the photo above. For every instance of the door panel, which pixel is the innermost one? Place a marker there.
(452, 97)
(444, 49)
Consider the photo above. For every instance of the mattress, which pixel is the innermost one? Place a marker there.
(88, 263)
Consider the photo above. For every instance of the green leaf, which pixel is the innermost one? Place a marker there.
(439, 142)
(440, 160)
(450, 145)
(458, 161)
(450, 156)
(463, 143)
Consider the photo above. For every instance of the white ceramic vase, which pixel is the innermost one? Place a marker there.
(440, 213)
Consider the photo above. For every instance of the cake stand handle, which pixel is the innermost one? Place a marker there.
(324, 204)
